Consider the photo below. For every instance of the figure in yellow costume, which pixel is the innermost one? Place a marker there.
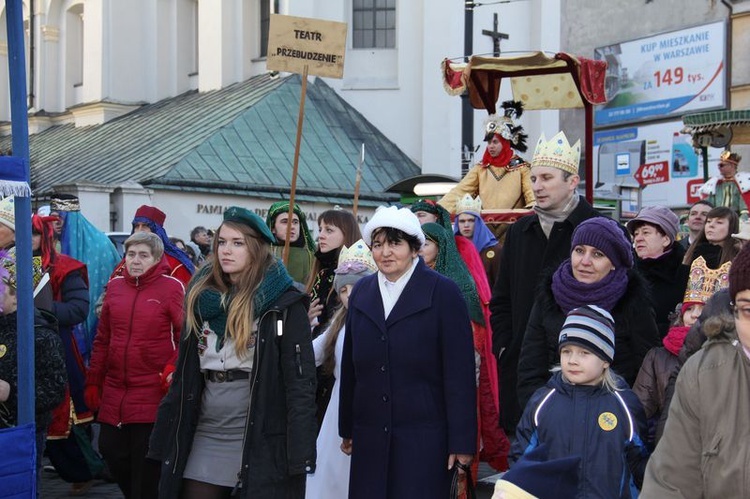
(502, 179)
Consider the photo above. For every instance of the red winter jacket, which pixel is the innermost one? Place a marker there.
(138, 334)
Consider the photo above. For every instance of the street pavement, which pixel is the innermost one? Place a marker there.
(486, 481)
(55, 488)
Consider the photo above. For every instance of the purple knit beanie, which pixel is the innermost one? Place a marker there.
(607, 236)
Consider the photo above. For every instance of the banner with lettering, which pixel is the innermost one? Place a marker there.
(664, 75)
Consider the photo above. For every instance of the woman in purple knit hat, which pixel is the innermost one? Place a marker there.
(599, 272)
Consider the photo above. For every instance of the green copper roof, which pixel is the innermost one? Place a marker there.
(717, 118)
(239, 139)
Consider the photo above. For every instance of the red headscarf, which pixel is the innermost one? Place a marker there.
(43, 226)
(58, 265)
(501, 159)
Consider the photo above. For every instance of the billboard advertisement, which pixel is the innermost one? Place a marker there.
(663, 75)
(656, 156)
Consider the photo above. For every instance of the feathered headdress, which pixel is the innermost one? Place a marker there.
(505, 126)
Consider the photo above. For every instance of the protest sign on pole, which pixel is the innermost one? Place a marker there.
(296, 42)
(306, 46)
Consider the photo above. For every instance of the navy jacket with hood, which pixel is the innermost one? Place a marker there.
(601, 427)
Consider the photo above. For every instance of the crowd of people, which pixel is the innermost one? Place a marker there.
(583, 357)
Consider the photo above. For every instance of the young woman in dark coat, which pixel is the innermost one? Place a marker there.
(240, 412)
(599, 272)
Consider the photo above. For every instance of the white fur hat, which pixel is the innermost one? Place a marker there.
(398, 218)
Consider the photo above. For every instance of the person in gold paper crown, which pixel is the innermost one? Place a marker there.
(730, 188)
(502, 179)
(469, 224)
(660, 362)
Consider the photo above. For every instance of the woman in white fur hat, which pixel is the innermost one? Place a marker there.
(408, 399)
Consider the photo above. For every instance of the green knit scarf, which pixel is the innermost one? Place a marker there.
(213, 306)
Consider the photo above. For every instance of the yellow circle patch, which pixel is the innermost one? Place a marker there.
(3, 349)
(607, 421)
(490, 254)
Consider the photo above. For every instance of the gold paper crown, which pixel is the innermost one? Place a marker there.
(703, 282)
(358, 255)
(557, 153)
(730, 157)
(467, 203)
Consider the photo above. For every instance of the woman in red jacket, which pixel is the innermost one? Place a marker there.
(137, 337)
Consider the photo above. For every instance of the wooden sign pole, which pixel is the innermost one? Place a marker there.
(358, 180)
(295, 43)
(293, 188)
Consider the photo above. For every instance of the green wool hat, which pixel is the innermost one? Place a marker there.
(430, 206)
(280, 207)
(244, 216)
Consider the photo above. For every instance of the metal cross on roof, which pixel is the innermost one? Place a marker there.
(496, 36)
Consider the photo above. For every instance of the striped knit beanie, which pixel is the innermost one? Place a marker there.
(592, 328)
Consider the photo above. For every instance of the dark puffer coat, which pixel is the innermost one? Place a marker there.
(667, 278)
(651, 383)
(605, 429)
(281, 427)
(49, 368)
(635, 335)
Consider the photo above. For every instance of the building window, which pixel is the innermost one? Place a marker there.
(267, 7)
(373, 24)
(74, 43)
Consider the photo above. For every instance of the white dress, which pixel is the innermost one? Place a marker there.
(331, 477)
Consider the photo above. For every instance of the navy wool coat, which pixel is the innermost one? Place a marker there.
(408, 392)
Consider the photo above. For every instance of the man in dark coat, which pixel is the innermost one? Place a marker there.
(532, 245)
